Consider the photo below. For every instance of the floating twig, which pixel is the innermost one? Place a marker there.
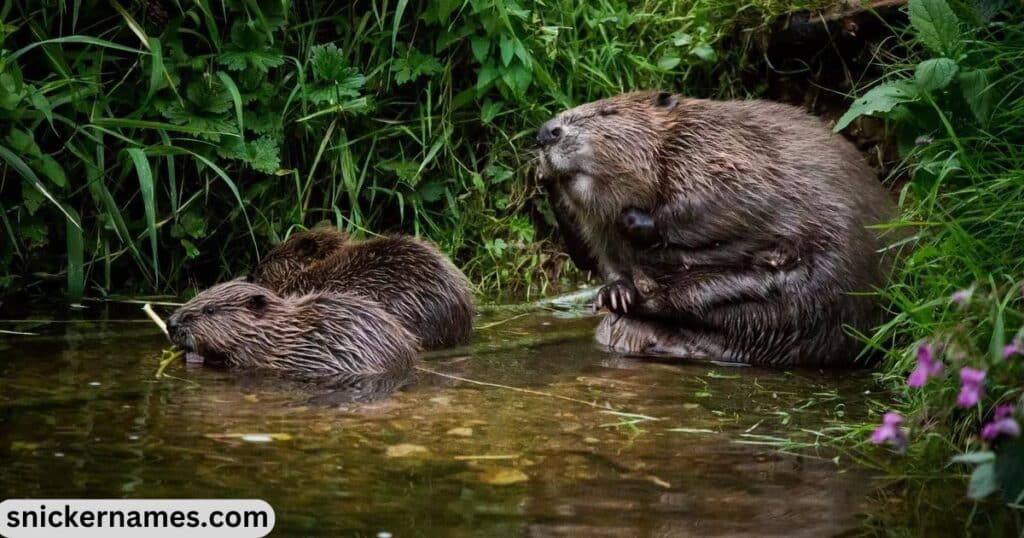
(148, 309)
(603, 408)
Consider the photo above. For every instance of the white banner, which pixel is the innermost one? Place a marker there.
(102, 518)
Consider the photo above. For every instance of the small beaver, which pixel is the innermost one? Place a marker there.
(734, 188)
(409, 277)
(243, 325)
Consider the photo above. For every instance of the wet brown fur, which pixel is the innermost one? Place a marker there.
(726, 180)
(244, 325)
(409, 277)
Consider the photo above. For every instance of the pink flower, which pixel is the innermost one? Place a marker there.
(891, 431)
(962, 297)
(927, 367)
(1002, 424)
(1016, 347)
(971, 386)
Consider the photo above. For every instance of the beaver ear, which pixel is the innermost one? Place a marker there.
(306, 246)
(257, 302)
(666, 100)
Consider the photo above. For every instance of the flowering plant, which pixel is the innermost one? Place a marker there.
(982, 397)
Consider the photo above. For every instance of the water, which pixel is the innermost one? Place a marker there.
(81, 415)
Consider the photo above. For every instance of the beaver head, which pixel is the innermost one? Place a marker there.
(607, 152)
(215, 323)
(300, 250)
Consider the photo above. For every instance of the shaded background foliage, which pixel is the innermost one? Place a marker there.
(147, 146)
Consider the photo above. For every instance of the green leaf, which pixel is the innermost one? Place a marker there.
(983, 481)
(12, 90)
(42, 104)
(432, 191)
(881, 99)
(487, 75)
(936, 25)
(328, 62)
(668, 63)
(490, 110)
(156, 67)
(145, 174)
(998, 340)
(705, 52)
(264, 154)
(480, 46)
(974, 85)
(236, 98)
(507, 49)
(414, 65)
(935, 74)
(975, 457)
(160, 126)
(190, 249)
(27, 174)
(399, 11)
(85, 40)
(49, 167)
(23, 143)
(518, 78)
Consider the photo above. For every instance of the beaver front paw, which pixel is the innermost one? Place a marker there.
(616, 296)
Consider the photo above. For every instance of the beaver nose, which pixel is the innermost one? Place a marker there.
(549, 133)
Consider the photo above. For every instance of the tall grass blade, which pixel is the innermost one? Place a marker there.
(145, 174)
(73, 39)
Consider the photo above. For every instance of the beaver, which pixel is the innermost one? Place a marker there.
(731, 189)
(408, 276)
(239, 324)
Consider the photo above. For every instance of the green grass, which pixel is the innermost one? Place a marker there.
(958, 116)
(179, 140)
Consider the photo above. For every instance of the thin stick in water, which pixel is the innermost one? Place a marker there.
(156, 319)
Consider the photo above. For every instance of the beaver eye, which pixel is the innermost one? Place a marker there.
(608, 111)
(209, 310)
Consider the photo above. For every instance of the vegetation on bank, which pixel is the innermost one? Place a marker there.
(151, 145)
(956, 343)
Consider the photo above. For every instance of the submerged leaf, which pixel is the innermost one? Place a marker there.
(406, 450)
(503, 476)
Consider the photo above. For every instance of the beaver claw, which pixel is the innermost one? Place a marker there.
(617, 296)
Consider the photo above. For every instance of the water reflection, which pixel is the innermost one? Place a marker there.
(81, 415)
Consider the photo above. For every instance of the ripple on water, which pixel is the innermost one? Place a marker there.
(430, 455)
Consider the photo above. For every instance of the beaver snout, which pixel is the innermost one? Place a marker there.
(173, 324)
(549, 133)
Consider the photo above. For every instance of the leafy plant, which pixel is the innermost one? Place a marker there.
(956, 110)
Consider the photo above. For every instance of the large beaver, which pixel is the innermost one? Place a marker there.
(408, 276)
(244, 325)
(725, 183)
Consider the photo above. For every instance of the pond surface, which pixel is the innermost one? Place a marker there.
(686, 452)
